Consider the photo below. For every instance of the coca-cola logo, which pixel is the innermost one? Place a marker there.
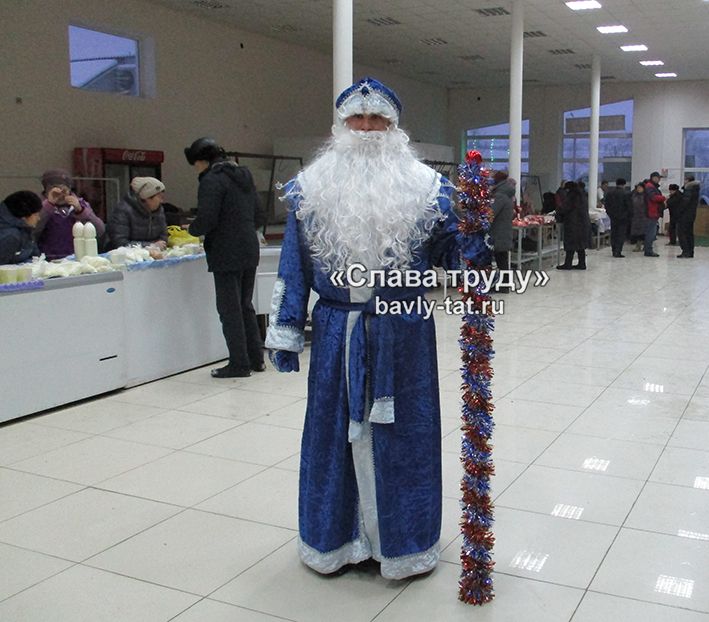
(133, 156)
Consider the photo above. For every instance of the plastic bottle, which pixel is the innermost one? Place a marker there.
(90, 244)
(79, 246)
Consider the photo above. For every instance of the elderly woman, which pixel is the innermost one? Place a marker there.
(502, 205)
(61, 208)
(139, 218)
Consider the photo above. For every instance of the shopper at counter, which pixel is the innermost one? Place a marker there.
(228, 214)
(577, 226)
(19, 214)
(502, 205)
(139, 218)
(61, 209)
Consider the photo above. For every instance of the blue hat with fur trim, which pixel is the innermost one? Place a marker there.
(368, 96)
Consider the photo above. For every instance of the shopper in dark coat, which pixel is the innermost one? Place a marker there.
(619, 208)
(19, 214)
(674, 205)
(228, 215)
(688, 213)
(139, 218)
(639, 220)
(577, 227)
(502, 205)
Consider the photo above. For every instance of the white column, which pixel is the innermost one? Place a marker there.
(341, 46)
(516, 68)
(595, 120)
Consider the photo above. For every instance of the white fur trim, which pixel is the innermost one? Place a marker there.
(282, 336)
(382, 410)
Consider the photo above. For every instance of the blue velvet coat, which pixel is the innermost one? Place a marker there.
(369, 371)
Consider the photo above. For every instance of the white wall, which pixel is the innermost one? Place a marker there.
(206, 84)
(662, 110)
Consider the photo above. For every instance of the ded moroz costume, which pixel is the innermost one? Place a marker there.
(370, 474)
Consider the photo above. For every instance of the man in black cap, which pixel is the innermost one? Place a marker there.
(688, 212)
(228, 214)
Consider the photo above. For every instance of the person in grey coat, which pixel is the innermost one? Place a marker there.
(139, 218)
(228, 215)
(577, 226)
(502, 205)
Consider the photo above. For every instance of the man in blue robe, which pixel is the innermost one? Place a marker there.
(370, 476)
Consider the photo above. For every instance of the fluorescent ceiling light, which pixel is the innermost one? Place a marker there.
(665, 75)
(634, 48)
(650, 63)
(610, 30)
(583, 5)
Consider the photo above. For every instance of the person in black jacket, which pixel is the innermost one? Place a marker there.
(577, 226)
(228, 215)
(19, 214)
(688, 212)
(674, 204)
(619, 207)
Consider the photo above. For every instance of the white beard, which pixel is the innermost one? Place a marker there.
(366, 198)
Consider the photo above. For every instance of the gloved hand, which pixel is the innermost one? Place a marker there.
(284, 361)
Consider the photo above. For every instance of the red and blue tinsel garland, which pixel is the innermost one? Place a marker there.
(477, 424)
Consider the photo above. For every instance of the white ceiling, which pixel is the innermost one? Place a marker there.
(675, 31)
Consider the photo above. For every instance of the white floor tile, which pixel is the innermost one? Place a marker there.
(193, 551)
(282, 586)
(241, 404)
(21, 492)
(526, 414)
(211, 611)
(182, 478)
(83, 524)
(516, 599)
(596, 607)
(673, 510)
(698, 408)
(20, 569)
(683, 467)
(269, 497)
(172, 429)
(252, 442)
(96, 416)
(83, 594)
(566, 393)
(546, 548)
(291, 416)
(657, 568)
(513, 443)
(663, 376)
(92, 460)
(22, 440)
(572, 495)
(169, 393)
(691, 434)
(603, 456)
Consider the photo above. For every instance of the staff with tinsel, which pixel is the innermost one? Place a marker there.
(477, 424)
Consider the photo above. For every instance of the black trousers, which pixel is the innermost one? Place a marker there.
(672, 230)
(685, 233)
(569, 258)
(618, 230)
(502, 260)
(234, 292)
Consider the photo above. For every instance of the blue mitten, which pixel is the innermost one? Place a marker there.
(284, 361)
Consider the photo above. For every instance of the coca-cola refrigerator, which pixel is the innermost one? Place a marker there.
(104, 174)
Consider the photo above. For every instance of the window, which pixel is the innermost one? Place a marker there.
(103, 62)
(696, 159)
(493, 142)
(615, 143)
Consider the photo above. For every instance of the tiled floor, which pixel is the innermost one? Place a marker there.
(177, 500)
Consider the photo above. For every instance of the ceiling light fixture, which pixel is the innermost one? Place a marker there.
(583, 5)
(651, 63)
(665, 75)
(634, 48)
(610, 30)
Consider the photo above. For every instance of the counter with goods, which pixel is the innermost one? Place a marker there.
(79, 334)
